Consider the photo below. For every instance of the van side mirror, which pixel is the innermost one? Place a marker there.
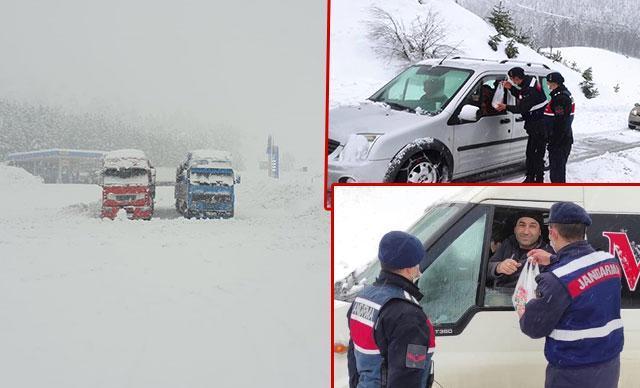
(637, 104)
(237, 179)
(469, 113)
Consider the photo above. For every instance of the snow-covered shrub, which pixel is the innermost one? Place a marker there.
(425, 38)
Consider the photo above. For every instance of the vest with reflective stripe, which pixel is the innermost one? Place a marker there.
(362, 323)
(536, 112)
(548, 111)
(590, 330)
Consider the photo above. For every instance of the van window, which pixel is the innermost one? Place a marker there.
(450, 283)
(482, 95)
(502, 229)
(433, 219)
(423, 229)
(423, 88)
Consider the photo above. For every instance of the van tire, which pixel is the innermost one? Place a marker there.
(632, 126)
(421, 166)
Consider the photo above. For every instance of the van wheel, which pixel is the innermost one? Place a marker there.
(632, 126)
(421, 167)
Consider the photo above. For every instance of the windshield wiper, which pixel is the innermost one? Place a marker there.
(397, 106)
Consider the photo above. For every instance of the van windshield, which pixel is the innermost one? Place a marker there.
(424, 229)
(423, 89)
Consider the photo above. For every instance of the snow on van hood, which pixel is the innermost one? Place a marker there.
(369, 117)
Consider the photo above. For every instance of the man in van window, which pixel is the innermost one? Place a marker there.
(505, 265)
(434, 96)
(577, 305)
(392, 340)
(530, 103)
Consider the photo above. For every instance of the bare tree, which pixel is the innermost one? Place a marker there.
(425, 38)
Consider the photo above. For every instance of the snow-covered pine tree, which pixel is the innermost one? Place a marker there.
(511, 50)
(494, 40)
(588, 87)
(501, 19)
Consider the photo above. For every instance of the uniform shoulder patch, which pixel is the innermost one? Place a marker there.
(416, 356)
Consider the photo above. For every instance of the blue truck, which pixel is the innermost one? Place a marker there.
(205, 183)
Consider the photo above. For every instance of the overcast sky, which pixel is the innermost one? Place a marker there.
(257, 66)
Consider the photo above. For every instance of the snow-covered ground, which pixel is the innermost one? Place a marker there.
(169, 302)
(395, 209)
(357, 71)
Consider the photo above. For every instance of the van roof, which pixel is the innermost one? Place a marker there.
(595, 199)
(481, 64)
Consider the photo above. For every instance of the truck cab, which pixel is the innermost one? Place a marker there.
(479, 341)
(205, 183)
(128, 183)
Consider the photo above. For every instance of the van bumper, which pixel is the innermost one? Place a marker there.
(369, 171)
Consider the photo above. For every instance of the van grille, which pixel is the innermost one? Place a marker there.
(333, 145)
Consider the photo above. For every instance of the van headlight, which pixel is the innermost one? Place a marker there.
(358, 146)
(635, 112)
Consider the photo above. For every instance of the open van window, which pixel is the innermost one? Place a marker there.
(423, 88)
(504, 219)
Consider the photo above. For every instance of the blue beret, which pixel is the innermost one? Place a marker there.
(399, 250)
(568, 213)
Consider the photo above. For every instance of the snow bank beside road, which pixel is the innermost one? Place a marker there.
(11, 177)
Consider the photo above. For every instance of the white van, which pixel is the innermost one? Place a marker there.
(479, 342)
(433, 122)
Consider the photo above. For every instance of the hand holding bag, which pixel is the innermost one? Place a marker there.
(526, 287)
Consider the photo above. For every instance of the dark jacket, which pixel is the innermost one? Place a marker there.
(510, 249)
(578, 292)
(529, 96)
(559, 117)
(399, 325)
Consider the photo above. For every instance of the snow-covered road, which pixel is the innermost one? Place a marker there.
(168, 302)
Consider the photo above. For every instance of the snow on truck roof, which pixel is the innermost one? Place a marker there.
(126, 158)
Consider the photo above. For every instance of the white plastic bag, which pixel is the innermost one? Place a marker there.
(526, 287)
(498, 96)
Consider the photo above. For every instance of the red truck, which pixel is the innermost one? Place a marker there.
(128, 183)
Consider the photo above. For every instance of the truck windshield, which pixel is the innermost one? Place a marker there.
(425, 228)
(202, 178)
(423, 89)
(126, 176)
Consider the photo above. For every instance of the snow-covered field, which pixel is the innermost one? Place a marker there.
(357, 72)
(395, 209)
(168, 302)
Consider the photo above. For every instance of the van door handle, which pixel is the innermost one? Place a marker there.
(505, 121)
(519, 119)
